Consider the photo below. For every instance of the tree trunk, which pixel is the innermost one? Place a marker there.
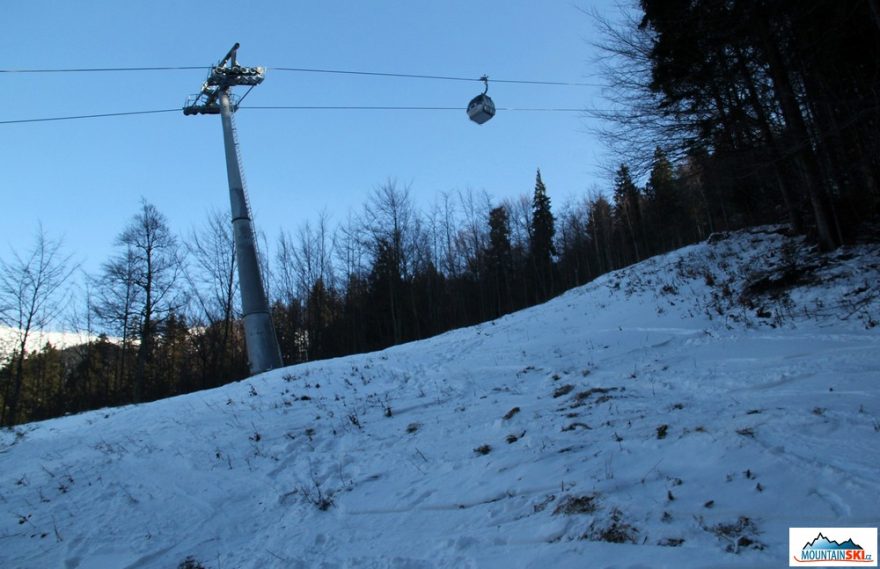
(799, 138)
(788, 195)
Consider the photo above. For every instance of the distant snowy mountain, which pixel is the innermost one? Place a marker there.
(681, 413)
(9, 338)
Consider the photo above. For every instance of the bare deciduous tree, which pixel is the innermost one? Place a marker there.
(32, 294)
(213, 284)
(140, 285)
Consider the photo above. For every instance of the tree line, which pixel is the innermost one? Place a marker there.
(161, 317)
(777, 100)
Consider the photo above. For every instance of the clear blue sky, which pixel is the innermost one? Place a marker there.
(83, 179)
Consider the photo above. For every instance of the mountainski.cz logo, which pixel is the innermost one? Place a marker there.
(832, 547)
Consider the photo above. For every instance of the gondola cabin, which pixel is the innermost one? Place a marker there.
(481, 108)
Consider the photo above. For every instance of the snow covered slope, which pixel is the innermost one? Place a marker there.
(684, 412)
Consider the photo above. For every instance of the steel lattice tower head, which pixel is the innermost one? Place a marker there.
(215, 98)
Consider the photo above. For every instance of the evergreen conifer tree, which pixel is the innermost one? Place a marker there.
(627, 211)
(541, 246)
(664, 202)
(499, 259)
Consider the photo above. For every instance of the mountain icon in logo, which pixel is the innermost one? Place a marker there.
(822, 542)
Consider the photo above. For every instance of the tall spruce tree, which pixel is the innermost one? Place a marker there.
(664, 216)
(628, 214)
(541, 247)
(499, 259)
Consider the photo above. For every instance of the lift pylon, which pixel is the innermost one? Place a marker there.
(215, 98)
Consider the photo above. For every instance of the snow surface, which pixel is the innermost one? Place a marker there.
(656, 407)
